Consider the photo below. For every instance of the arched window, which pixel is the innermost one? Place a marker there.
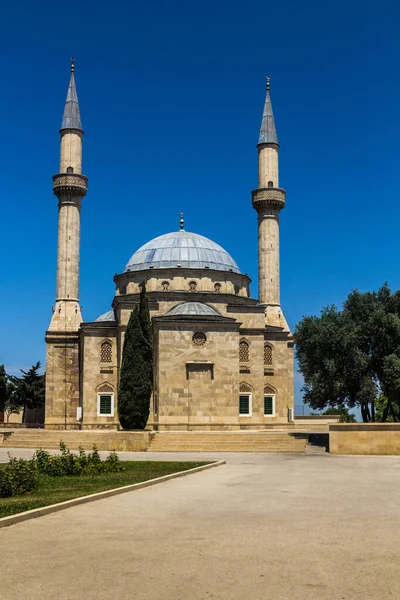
(270, 184)
(267, 355)
(165, 286)
(105, 400)
(217, 287)
(70, 169)
(192, 286)
(269, 402)
(106, 352)
(244, 353)
(245, 400)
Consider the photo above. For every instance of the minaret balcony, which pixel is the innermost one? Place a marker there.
(74, 184)
(268, 197)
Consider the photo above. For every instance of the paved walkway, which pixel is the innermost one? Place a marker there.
(262, 527)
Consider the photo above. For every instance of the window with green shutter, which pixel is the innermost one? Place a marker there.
(105, 405)
(244, 404)
(269, 406)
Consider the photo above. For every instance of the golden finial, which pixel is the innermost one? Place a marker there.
(72, 64)
(182, 221)
(268, 83)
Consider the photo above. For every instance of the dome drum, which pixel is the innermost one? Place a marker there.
(167, 281)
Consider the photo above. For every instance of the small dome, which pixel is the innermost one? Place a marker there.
(181, 249)
(108, 316)
(197, 309)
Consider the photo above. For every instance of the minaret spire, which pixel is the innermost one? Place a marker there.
(268, 200)
(268, 129)
(72, 116)
(62, 337)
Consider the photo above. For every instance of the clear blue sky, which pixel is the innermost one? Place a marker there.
(171, 95)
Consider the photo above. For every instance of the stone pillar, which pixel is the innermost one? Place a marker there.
(62, 337)
(268, 203)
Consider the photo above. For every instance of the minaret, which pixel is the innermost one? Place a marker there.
(268, 200)
(62, 337)
(70, 187)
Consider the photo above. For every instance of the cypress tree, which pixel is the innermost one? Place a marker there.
(144, 316)
(136, 380)
(3, 388)
(147, 331)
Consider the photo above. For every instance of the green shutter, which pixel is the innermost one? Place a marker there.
(268, 405)
(105, 405)
(244, 405)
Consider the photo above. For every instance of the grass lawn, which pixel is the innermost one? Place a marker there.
(58, 489)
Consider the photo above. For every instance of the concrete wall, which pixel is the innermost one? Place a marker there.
(365, 438)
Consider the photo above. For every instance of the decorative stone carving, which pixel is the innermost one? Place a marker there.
(105, 388)
(71, 183)
(267, 355)
(264, 197)
(199, 338)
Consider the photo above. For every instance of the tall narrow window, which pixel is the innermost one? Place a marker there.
(269, 402)
(245, 400)
(244, 354)
(267, 355)
(106, 353)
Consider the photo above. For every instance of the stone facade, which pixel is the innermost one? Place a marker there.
(222, 360)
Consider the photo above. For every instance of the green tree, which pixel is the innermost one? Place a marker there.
(3, 387)
(144, 317)
(345, 415)
(381, 404)
(13, 403)
(136, 379)
(29, 390)
(349, 357)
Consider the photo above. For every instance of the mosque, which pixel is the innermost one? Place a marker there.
(222, 359)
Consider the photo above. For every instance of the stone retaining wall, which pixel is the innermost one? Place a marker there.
(365, 438)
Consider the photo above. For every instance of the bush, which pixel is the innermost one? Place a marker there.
(18, 477)
(76, 464)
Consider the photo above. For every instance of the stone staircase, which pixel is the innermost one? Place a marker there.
(168, 441)
(228, 441)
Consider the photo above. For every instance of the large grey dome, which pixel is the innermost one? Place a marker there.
(181, 249)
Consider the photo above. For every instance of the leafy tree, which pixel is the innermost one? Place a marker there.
(381, 404)
(351, 357)
(29, 390)
(342, 412)
(136, 380)
(13, 402)
(3, 387)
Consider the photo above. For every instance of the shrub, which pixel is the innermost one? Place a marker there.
(75, 464)
(18, 477)
(112, 463)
